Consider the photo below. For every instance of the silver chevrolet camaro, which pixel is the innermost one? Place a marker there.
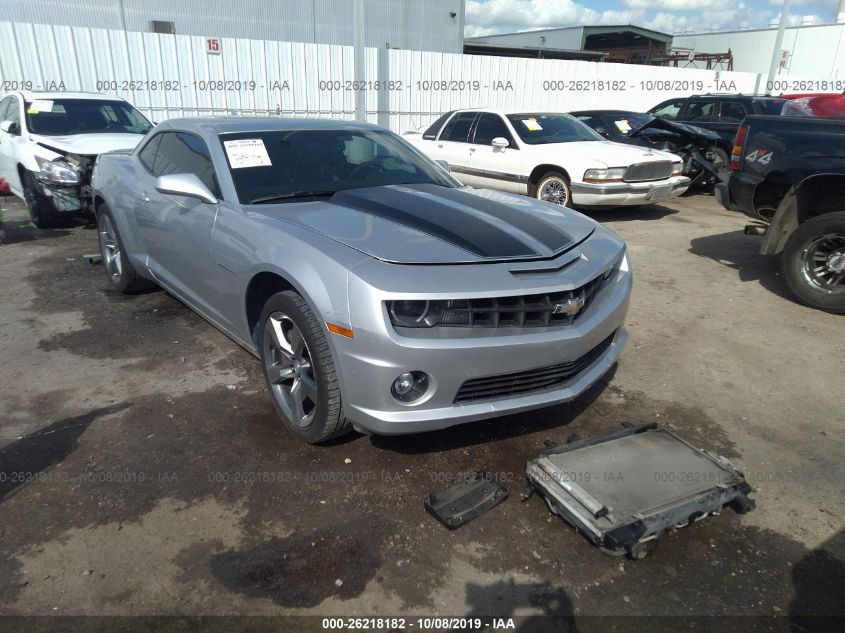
(378, 292)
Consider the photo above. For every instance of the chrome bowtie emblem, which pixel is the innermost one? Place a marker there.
(570, 306)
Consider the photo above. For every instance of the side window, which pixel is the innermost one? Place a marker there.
(147, 155)
(13, 112)
(669, 110)
(431, 133)
(457, 129)
(700, 111)
(4, 105)
(489, 127)
(732, 111)
(183, 153)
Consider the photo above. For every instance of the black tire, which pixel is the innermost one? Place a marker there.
(118, 267)
(558, 178)
(42, 213)
(324, 420)
(811, 266)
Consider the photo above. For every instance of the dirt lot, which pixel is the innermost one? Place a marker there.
(144, 471)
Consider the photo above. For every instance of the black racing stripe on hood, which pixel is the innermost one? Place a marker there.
(544, 232)
(443, 221)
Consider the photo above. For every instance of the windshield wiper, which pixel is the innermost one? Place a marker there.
(293, 194)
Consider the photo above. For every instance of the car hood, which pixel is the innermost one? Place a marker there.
(87, 144)
(692, 132)
(431, 224)
(604, 153)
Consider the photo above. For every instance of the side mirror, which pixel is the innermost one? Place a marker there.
(187, 185)
(9, 127)
(500, 141)
(444, 165)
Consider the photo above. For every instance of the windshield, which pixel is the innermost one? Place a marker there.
(537, 129)
(271, 166)
(61, 117)
(626, 122)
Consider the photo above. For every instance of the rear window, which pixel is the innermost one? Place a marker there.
(769, 106)
(431, 133)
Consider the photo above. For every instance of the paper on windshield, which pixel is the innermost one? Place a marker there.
(532, 125)
(623, 126)
(248, 152)
(40, 105)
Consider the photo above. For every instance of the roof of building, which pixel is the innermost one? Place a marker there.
(588, 30)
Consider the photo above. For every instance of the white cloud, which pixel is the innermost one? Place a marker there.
(678, 5)
(507, 16)
(489, 17)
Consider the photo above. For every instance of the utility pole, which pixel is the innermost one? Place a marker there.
(773, 68)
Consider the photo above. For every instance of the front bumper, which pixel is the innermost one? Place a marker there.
(614, 194)
(371, 361)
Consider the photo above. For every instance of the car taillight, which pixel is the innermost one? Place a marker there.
(739, 143)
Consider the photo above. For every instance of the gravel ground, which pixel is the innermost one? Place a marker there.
(144, 471)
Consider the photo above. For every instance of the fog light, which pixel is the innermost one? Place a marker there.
(410, 386)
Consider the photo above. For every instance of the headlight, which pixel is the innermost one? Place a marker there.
(57, 171)
(677, 168)
(613, 174)
(414, 313)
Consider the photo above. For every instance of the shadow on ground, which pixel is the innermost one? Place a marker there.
(741, 252)
(26, 458)
(624, 214)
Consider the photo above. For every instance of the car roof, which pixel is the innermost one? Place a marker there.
(601, 112)
(30, 95)
(504, 112)
(231, 125)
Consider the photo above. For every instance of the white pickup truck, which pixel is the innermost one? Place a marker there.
(552, 157)
(50, 141)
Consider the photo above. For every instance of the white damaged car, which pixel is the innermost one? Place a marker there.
(50, 141)
(552, 157)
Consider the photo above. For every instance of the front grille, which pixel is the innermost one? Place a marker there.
(530, 380)
(522, 311)
(657, 170)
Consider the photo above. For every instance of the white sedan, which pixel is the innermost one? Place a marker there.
(49, 142)
(552, 157)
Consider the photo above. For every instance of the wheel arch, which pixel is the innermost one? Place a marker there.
(261, 286)
(544, 168)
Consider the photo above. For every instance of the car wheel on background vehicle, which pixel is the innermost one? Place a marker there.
(299, 370)
(122, 274)
(42, 213)
(813, 262)
(553, 187)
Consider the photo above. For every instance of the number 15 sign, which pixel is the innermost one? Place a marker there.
(213, 46)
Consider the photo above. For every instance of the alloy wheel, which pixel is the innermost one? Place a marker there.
(289, 369)
(823, 263)
(110, 249)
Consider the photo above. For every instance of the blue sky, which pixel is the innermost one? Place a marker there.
(485, 17)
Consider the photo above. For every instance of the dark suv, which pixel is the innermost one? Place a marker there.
(721, 113)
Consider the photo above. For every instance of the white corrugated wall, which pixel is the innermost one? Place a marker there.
(410, 24)
(173, 75)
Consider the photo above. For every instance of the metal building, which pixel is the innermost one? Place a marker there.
(621, 43)
(810, 50)
(430, 25)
